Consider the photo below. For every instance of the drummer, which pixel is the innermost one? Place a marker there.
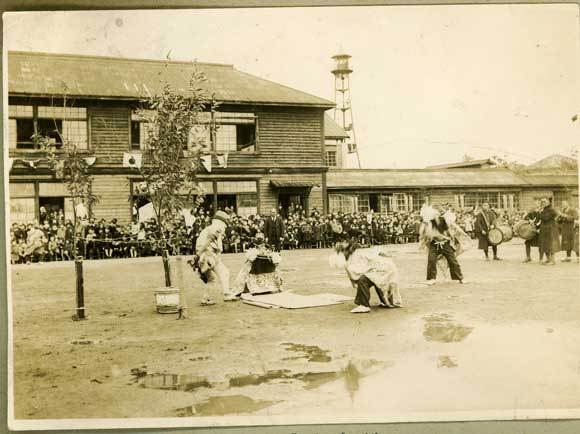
(534, 218)
(485, 220)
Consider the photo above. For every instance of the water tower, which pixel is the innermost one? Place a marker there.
(343, 109)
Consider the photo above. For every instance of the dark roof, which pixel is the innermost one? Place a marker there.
(292, 184)
(43, 74)
(565, 180)
(332, 130)
(378, 178)
(465, 164)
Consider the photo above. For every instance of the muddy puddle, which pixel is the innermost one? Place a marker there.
(183, 383)
(222, 405)
(312, 353)
(441, 328)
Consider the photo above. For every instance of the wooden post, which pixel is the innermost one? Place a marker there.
(181, 286)
(166, 268)
(80, 310)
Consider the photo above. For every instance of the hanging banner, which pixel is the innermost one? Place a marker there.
(223, 160)
(146, 212)
(132, 160)
(206, 161)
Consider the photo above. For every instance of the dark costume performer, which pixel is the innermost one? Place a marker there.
(549, 236)
(436, 235)
(568, 220)
(484, 221)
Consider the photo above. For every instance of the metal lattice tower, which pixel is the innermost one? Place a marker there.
(343, 109)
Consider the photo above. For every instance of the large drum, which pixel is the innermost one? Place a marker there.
(499, 234)
(525, 229)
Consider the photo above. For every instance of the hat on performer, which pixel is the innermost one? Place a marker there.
(222, 216)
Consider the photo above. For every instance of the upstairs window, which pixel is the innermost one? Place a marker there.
(236, 132)
(55, 123)
(139, 128)
(331, 158)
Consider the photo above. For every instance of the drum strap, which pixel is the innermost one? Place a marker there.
(485, 219)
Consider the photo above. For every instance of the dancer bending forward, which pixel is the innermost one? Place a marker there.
(368, 268)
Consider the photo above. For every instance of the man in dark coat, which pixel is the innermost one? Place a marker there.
(568, 220)
(534, 217)
(549, 236)
(274, 229)
(485, 220)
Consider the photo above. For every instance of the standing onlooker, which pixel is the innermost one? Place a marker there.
(549, 237)
(567, 219)
(274, 230)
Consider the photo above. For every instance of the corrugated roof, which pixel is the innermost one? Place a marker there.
(108, 77)
(567, 180)
(332, 130)
(377, 178)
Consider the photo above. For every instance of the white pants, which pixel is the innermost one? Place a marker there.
(220, 272)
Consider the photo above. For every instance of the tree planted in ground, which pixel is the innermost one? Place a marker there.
(179, 125)
(71, 166)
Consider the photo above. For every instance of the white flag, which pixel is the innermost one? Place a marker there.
(10, 163)
(81, 211)
(132, 160)
(146, 212)
(90, 160)
(189, 218)
(206, 161)
(223, 160)
(32, 163)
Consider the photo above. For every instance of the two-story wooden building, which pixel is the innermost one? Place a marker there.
(273, 135)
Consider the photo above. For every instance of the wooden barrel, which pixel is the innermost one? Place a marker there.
(525, 229)
(500, 234)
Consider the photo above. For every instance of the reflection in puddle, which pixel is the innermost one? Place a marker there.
(184, 383)
(256, 379)
(440, 328)
(311, 352)
(222, 405)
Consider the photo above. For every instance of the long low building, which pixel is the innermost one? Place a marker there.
(383, 190)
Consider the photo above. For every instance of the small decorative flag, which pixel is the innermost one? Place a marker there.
(132, 160)
(32, 163)
(146, 212)
(90, 160)
(206, 161)
(10, 163)
(189, 218)
(223, 160)
(81, 211)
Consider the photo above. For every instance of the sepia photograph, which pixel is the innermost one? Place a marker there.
(283, 216)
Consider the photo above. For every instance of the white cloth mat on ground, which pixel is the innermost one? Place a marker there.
(290, 300)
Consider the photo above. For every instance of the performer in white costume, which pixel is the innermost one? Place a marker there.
(207, 261)
(367, 268)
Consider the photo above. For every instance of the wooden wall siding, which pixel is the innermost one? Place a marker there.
(527, 197)
(109, 131)
(269, 196)
(440, 197)
(113, 192)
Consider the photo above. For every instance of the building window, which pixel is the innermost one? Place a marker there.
(22, 202)
(236, 132)
(331, 158)
(141, 121)
(475, 199)
(55, 123)
(349, 203)
(53, 197)
(559, 197)
(240, 196)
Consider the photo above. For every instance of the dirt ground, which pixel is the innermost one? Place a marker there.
(508, 340)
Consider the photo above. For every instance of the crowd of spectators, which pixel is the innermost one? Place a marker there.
(53, 237)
